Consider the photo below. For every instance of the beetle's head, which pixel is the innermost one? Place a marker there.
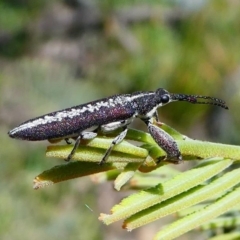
(166, 97)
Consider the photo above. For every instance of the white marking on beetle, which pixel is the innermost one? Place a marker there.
(76, 111)
(71, 113)
(152, 112)
(131, 98)
(112, 126)
(88, 135)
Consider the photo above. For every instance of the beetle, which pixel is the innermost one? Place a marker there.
(108, 114)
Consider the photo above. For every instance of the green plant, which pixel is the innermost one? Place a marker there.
(198, 195)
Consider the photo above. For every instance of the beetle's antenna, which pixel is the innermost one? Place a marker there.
(194, 99)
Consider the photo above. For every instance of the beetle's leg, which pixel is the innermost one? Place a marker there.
(111, 127)
(166, 142)
(67, 141)
(115, 125)
(156, 116)
(115, 141)
(83, 135)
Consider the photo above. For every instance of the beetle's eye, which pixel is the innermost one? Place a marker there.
(164, 98)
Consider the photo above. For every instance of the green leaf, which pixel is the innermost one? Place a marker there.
(125, 175)
(94, 150)
(135, 167)
(69, 171)
(227, 236)
(184, 200)
(166, 190)
(200, 217)
(222, 222)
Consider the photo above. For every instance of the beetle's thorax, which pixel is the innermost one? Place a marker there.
(146, 103)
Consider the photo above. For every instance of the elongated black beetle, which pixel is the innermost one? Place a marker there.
(108, 114)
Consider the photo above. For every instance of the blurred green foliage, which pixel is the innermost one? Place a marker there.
(55, 54)
(15, 17)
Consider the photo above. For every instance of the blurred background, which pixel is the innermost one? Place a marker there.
(60, 53)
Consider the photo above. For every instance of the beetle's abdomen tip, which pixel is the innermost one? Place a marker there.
(20, 132)
(13, 134)
(10, 134)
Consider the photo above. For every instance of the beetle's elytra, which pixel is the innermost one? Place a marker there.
(108, 114)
